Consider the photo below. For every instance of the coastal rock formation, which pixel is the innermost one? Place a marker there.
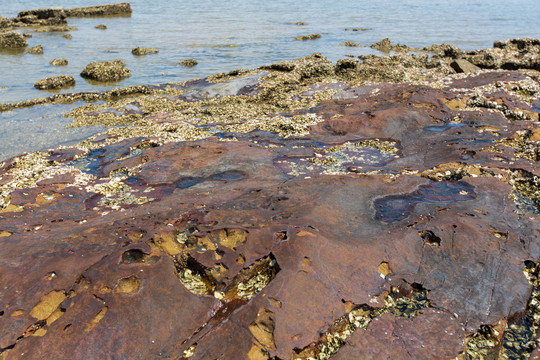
(12, 40)
(55, 82)
(144, 51)
(302, 210)
(55, 19)
(100, 10)
(105, 71)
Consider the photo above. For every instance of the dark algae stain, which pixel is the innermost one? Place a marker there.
(398, 207)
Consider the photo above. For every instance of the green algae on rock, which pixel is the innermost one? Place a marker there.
(106, 71)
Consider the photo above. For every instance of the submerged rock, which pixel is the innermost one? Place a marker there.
(12, 40)
(55, 82)
(67, 36)
(351, 43)
(101, 27)
(105, 71)
(308, 37)
(144, 51)
(59, 62)
(36, 50)
(188, 62)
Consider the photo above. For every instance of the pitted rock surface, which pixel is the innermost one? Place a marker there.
(380, 221)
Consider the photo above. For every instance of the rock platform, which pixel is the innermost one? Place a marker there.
(297, 211)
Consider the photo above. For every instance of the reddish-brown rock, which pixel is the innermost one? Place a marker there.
(398, 226)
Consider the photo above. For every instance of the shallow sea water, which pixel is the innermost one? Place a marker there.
(224, 36)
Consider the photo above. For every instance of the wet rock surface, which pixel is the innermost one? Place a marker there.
(12, 40)
(144, 51)
(106, 71)
(59, 62)
(36, 50)
(188, 62)
(303, 210)
(55, 82)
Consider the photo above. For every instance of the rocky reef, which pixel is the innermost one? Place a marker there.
(382, 207)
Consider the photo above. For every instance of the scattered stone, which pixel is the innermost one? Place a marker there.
(36, 50)
(188, 62)
(101, 26)
(55, 82)
(59, 62)
(463, 66)
(100, 10)
(143, 51)
(308, 37)
(67, 36)
(351, 43)
(106, 71)
(12, 40)
(361, 29)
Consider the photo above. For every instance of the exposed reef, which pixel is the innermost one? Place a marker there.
(373, 208)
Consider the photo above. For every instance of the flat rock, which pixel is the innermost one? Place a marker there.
(463, 66)
(55, 82)
(289, 213)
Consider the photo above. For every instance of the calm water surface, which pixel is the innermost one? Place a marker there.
(223, 36)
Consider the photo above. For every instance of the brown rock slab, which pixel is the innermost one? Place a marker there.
(399, 223)
(463, 66)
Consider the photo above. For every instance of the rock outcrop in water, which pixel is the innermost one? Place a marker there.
(144, 51)
(304, 210)
(55, 82)
(12, 40)
(106, 71)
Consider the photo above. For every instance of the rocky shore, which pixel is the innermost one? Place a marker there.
(385, 207)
